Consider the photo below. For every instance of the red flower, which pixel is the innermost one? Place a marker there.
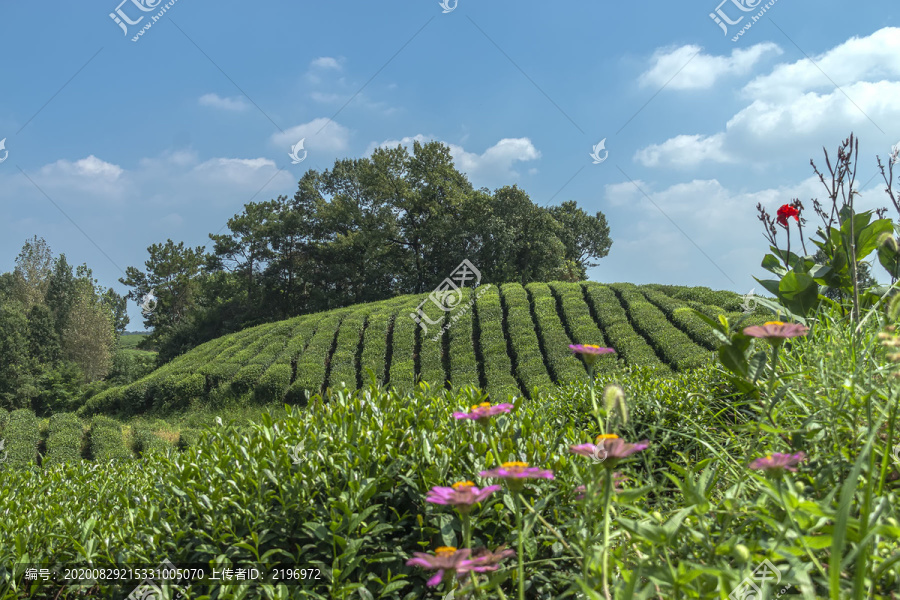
(785, 212)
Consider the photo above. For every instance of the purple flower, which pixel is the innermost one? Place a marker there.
(775, 332)
(463, 495)
(447, 560)
(516, 472)
(778, 463)
(609, 449)
(485, 560)
(484, 411)
(590, 352)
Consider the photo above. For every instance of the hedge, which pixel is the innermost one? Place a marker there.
(674, 345)
(577, 318)
(246, 378)
(520, 326)
(4, 418)
(146, 442)
(274, 384)
(107, 401)
(403, 345)
(311, 364)
(729, 301)
(619, 333)
(106, 440)
(565, 366)
(343, 361)
(374, 353)
(64, 439)
(463, 364)
(498, 367)
(21, 436)
(683, 318)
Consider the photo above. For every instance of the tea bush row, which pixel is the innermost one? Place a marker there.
(529, 360)
(64, 439)
(497, 364)
(687, 321)
(106, 440)
(343, 361)
(563, 364)
(578, 319)
(311, 364)
(403, 346)
(463, 363)
(675, 346)
(21, 436)
(619, 332)
(375, 350)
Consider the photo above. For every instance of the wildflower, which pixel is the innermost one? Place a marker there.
(447, 560)
(485, 560)
(785, 212)
(776, 332)
(611, 447)
(462, 494)
(515, 472)
(484, 411)
(777, 463)
(590, 352)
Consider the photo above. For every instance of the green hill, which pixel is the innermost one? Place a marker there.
(511, 340)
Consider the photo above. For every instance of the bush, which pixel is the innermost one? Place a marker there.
(618, 331)
(528, 358)
(682, 316)
(188, 438)
(4, 418)
(497, 364)
(311, 364)
(22, 435)
(374, 354)
(64, 440)
(463, 364)
(146, 442)
(403, 346)
(343, 361)
(564, 366)
(274, 384)
(106, 440)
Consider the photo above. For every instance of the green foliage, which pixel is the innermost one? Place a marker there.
(564, 366)
(674, 346)
(529, 361)
(613, 319)
(578, 320)
(106, 440)
(403, 346)
(188, 438)
(684, 319)
(4, 418)
(145, 442)
(64, 440)
(274, 384)
(493, 341)
(343, 361)
(21, 436)
(312, 363)
(463, 365)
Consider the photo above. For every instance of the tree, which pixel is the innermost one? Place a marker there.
(32, 273)
(585, 237)
(15, 362)
(89, 337)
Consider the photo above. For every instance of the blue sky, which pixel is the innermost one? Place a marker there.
(169, 136)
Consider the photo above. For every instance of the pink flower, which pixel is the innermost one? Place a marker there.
(776, 332)
(778, 463)
(446, 559)
(484, 411)
(516, 472)
(463, 495)
(609, 449)
(485, 560)
(590, 352)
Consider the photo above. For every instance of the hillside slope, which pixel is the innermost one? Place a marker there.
(506, 340)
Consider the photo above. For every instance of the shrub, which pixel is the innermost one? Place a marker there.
(529, 360)
(311, 364)
(274, 384)
(674, 346)
(403, 345)
(343, 361)
(618, 331)
(4, 418)
(493, 341)
(682, 316)
(578, 320)
(246, 378)
(22, 435)
(188, 438)
(64, 440)
(374, 354)
(146, 442)
(564, 366)
(463, 364)
(106, 440)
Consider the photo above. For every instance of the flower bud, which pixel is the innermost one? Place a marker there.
(742, 553)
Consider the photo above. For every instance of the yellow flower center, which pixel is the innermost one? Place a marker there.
(460, 484)
(515, 465)
(444, 551)
(482, 405)
(607, 436)
(592, 346)
(773, 323)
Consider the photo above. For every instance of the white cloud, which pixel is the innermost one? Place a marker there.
(88, 168)
(675, 69)
(493, 167)
(235, 103)
(322, 135)
(326, 62)
(91, 175)
(796, 107)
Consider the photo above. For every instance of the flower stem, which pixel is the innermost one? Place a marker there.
(549, 527)
(520, 556)
(607, 502)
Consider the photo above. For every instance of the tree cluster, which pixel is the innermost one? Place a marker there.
(366, 230)
(58, 331)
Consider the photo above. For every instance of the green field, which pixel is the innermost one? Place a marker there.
(513, 341)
